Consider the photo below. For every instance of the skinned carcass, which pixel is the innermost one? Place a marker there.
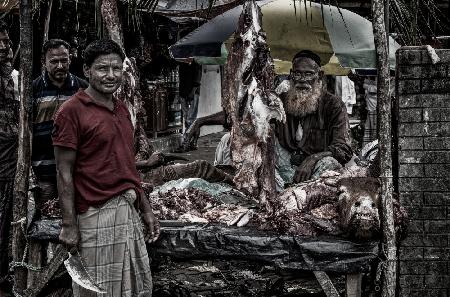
(129, 91)
(345, 203)
(250, 105)
(194, 206)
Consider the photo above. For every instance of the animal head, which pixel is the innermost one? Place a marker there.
(359, 201)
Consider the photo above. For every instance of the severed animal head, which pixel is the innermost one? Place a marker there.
(359, 201)
(251, 68)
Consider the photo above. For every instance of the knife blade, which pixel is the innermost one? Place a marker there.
(79, 274)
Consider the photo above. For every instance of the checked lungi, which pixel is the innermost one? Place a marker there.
(113, 249)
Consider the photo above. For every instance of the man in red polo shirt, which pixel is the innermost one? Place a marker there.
(98, 183)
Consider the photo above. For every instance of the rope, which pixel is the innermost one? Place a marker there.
(21, 221)
(377, 281)
(382, 266)
(23, 263)
(15, 264)
(26, 265)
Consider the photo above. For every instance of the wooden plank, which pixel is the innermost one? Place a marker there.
(353, 285)
(326, 284)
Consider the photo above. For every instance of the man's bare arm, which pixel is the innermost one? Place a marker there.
(65, 161)
(155, 160)
(150, 221)
(192, 134)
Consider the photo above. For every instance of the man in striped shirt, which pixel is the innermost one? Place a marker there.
(50, 90)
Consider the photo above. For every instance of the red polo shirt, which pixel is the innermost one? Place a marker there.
(105, 164)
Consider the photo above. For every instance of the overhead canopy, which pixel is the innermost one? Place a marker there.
(188, 5)
(292, 28)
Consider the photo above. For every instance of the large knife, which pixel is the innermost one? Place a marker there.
(79, 274)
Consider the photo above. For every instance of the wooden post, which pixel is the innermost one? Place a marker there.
(44, 276)
(35, 247)
(47, 20)
(24, 149)
(384, 138)
(353, 285)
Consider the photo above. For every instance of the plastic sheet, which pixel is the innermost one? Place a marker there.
(331, 254)
(45, 229)
(184, 242)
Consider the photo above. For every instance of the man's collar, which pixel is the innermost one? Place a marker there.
(68, 82)
(86, 99)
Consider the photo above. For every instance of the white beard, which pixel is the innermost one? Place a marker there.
(303, 102)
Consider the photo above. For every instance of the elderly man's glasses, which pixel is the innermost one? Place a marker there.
(303, 75)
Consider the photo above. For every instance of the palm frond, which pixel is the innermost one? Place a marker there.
(413, 20)
(310, 9)
(331, 13)
(295, 7)
(210, 6)
(345, 23)
(306, 12)
(321, 11)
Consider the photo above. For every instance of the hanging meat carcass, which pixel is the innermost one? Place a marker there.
(251, 104)
(129, 91)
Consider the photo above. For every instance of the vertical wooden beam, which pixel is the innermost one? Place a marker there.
(353, 285)
(44, 276)
(385, 141)
(24, 149)
(35, 252)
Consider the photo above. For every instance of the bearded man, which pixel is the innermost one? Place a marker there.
(315, 137)
(316, 132)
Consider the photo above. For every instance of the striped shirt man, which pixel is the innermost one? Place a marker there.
(47, 98)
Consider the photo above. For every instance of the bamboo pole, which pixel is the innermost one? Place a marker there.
(384, 137)
(24, 149)
(36, 247)
(47, 20)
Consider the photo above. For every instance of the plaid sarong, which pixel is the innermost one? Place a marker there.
(113, 249)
